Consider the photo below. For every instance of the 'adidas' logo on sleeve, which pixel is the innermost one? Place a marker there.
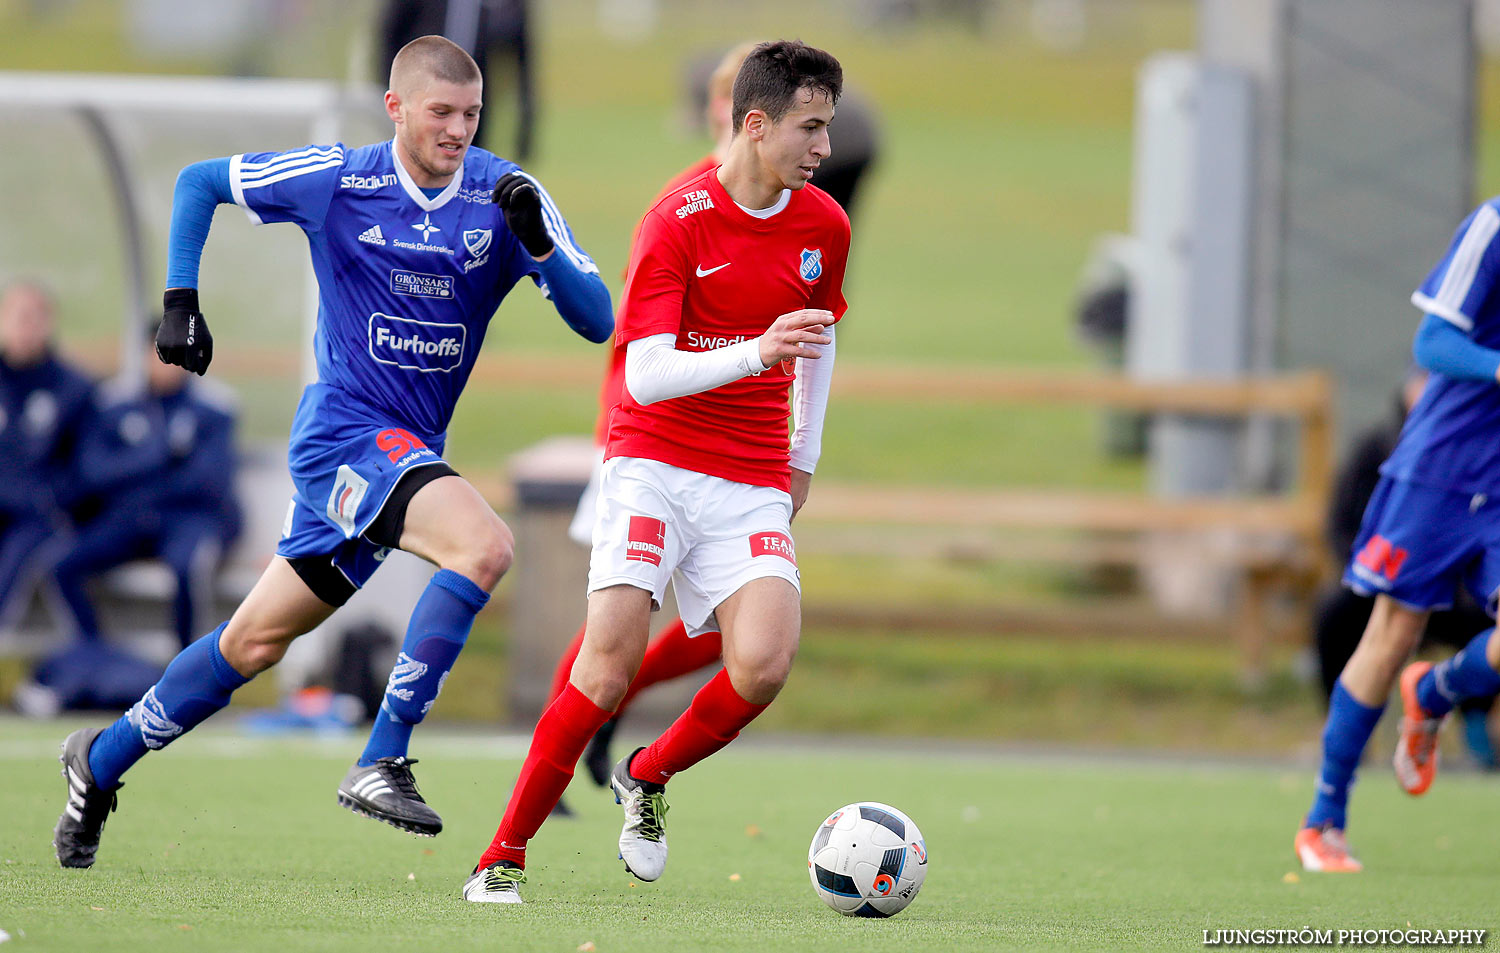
(372, 235)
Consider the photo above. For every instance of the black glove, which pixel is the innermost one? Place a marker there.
(522, 206)
(183, 337)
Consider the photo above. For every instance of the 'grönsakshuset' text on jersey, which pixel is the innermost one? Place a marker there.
(407, 284)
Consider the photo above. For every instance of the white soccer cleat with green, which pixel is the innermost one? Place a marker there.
(643, 841)
(497, 883)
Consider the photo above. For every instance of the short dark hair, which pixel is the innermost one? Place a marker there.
(773, 74)
(435, 56)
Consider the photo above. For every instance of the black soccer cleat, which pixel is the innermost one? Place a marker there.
(76, 837)
(596, 758)
(386, 791)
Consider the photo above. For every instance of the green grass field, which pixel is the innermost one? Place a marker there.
(227, 843)
(1003, 162)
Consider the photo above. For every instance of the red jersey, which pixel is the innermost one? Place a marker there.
(711, 273)
(614, 375)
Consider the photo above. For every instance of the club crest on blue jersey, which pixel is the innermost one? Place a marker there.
(811, 268)
(423, 346)
(477, 241)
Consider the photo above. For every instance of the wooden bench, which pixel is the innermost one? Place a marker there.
(1272, 542)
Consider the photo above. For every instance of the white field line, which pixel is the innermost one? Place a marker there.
(227, 746)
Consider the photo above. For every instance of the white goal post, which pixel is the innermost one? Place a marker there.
(143, 129)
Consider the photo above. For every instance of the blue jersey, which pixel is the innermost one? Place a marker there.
(42, 409)
(1451, 440)
(407, 284)
(167, 455)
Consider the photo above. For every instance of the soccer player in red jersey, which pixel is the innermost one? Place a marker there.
(735, 283)
(672, 652)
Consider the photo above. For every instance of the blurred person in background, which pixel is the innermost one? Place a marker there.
(160, 465)
(1432, 527)
(853, 138)
(486, 29)
(1342, 613)
(415, 241)
(43, 404)
(155, 471)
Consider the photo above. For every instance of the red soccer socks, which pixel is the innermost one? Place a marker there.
(714, 719)
(560, 736)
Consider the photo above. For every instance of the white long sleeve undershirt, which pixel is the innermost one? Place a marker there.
(810, 404)
(656, 370)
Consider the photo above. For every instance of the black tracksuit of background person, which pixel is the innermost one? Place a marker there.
(160, 465)
(483, 28)
(1343, 613)
(43, 405)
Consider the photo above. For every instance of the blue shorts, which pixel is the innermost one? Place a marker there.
(1418, 544)
(345, 460)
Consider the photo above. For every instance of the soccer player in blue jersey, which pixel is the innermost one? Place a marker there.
(415, 242)
(1432, 525)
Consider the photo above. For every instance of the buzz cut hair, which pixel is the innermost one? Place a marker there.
(774, 73)
(434, 56)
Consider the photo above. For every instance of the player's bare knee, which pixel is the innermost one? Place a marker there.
(486, 556)
(760, 679)
(251, 653)
(1393, 630)
(605, 685)
(496, 553)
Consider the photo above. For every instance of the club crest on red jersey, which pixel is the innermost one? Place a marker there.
(811, 268)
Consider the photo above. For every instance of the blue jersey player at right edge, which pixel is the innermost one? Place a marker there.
(415, 242)
(1432, 525)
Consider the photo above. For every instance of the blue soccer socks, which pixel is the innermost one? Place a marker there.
(1349, 727)
(439, 627)
(196, 684)
(1466, 675)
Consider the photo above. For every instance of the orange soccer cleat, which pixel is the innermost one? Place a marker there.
(1417, 749)
(1324, 850)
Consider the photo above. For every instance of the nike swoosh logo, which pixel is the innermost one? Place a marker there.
(704, 273)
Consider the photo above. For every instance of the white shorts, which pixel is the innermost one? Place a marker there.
(581, 530)
(709, 536)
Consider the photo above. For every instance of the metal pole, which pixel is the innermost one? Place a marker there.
(132, 240)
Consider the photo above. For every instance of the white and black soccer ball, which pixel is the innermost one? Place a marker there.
(867, 860)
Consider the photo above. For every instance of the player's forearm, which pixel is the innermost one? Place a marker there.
(201, 188)
(1443, 348)
(580, 296)
(810, 404)
(655, 370)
